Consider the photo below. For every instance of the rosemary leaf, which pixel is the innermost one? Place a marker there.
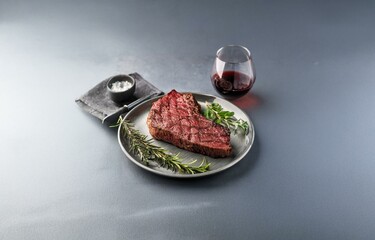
(144, 148)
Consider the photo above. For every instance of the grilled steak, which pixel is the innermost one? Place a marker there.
(176, 119)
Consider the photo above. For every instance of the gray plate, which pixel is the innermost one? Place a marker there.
(241, 144)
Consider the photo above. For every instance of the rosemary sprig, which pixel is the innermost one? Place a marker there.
(143, 146)
(216, 113)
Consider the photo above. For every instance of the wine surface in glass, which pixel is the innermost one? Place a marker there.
(232, 83)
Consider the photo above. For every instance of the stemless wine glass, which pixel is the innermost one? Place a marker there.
(233, 73)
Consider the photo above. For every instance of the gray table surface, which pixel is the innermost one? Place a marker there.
(309, 175)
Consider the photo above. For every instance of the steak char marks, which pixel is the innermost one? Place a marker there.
(176, 119)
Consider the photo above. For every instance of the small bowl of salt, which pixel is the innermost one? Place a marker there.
(121, 88)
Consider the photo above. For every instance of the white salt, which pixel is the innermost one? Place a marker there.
(120, 86)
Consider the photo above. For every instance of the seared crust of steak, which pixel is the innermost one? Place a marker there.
(176, 119)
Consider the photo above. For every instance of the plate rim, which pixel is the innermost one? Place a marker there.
(196, 175)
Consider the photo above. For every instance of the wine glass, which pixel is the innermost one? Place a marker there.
(233, 73)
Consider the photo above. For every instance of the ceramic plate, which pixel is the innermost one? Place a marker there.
(241, 144)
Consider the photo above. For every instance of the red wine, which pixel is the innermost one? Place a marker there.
(232, 83)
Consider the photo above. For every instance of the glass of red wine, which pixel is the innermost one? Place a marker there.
(233, 73)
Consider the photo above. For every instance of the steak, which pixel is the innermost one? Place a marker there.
(176, 119)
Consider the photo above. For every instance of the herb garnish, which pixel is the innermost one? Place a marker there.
(143, 147)
(216, 113)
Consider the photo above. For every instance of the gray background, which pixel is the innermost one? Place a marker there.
(309, 175)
